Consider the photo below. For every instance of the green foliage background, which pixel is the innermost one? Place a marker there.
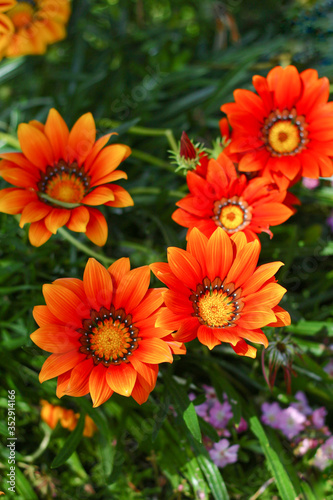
(152, 64)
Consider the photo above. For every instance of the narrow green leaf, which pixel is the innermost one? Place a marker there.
(307, 491)
(70, 445)
(184, 406)
(274, 464)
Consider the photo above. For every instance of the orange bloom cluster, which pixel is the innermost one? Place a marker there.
(60, 176)
(68, 419)
(28, 27)
(102, 333)
(223, 199)
(218, 294)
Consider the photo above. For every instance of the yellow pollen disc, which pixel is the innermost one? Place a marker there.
(65, 188)
(231, 216)
(283, 137)
(21, 15)
(216, 308)
(110, 340)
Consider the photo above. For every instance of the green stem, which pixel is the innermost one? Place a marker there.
(84, 248)
(42, 447)
(154, 191)
(149, 132)
(146, 157)
(9, 139)
(135, 246)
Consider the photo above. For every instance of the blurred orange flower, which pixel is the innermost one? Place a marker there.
(287, 128)
(35, 24)
(222, 198)
(68, 419)
(102, 333)
(218, 294)
(60, 176)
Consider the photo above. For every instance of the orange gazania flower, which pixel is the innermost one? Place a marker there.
(102, 333)
(52, 414)
(35, 24)
(218, 294)
(6, 26)
(287, 128)
(230, 201)
(60, 176)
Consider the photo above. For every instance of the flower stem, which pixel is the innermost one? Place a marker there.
(154, 191)
(141, 155)
(84, 248)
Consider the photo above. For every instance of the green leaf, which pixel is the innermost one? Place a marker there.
(274, 464)
(310, 328)
(70, 445)
(184, 406)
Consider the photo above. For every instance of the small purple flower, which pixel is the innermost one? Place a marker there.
(318, 417)
(271, 414)
(302, 404)
(305, 445)
(310, 183)
(202, 410)
(329, 368)
(220, 414)
(291, 422)
(328, 448)
(211, 395)
(222, 454)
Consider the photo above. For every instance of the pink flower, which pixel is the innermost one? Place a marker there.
(305, 445)
(302, 405)
(310, 183)
(202, 411)
(220, 414)
(211, 395)
(318, 417)
(321, 460)
(291, 422)
(222, 454)
(328, 448)
(271, 414)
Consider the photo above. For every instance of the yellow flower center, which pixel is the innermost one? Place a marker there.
(66, 183)
(216, 304)
(21, 15)
(216, 308)
(232, 214)
(109, 337)
(67, 188)
(284, 137)
(284, 133)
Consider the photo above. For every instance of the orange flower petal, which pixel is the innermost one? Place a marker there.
(35, 146)
(260, 276)
(57, 133)
(78, 384)
(153, 351)
(62, 383)
(118, 269)
(121, 378)
(65, 305)
(97, 285)
(121, 197)
(197, 245)
(43, 316)
(218, 254)
(132, 288)
(38, 233)
(12, 201)
(245, 264)
(152, 301)
(97, 229)
(73, 284)
(58, 217)
(243, 349)
(56, 364)
(56, 338)
(81, 139)
(108, 160)
(207, 337)
(147, 373)
(139, 393)
(99, 196)
(79, 219)
(99, 389)
(185, 267)
(34, 211)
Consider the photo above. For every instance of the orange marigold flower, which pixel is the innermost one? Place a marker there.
(60, 176)
(286, 128)
(52, 414)
(102, 333)
(218, 294)
(34, 24)
(230, 201)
